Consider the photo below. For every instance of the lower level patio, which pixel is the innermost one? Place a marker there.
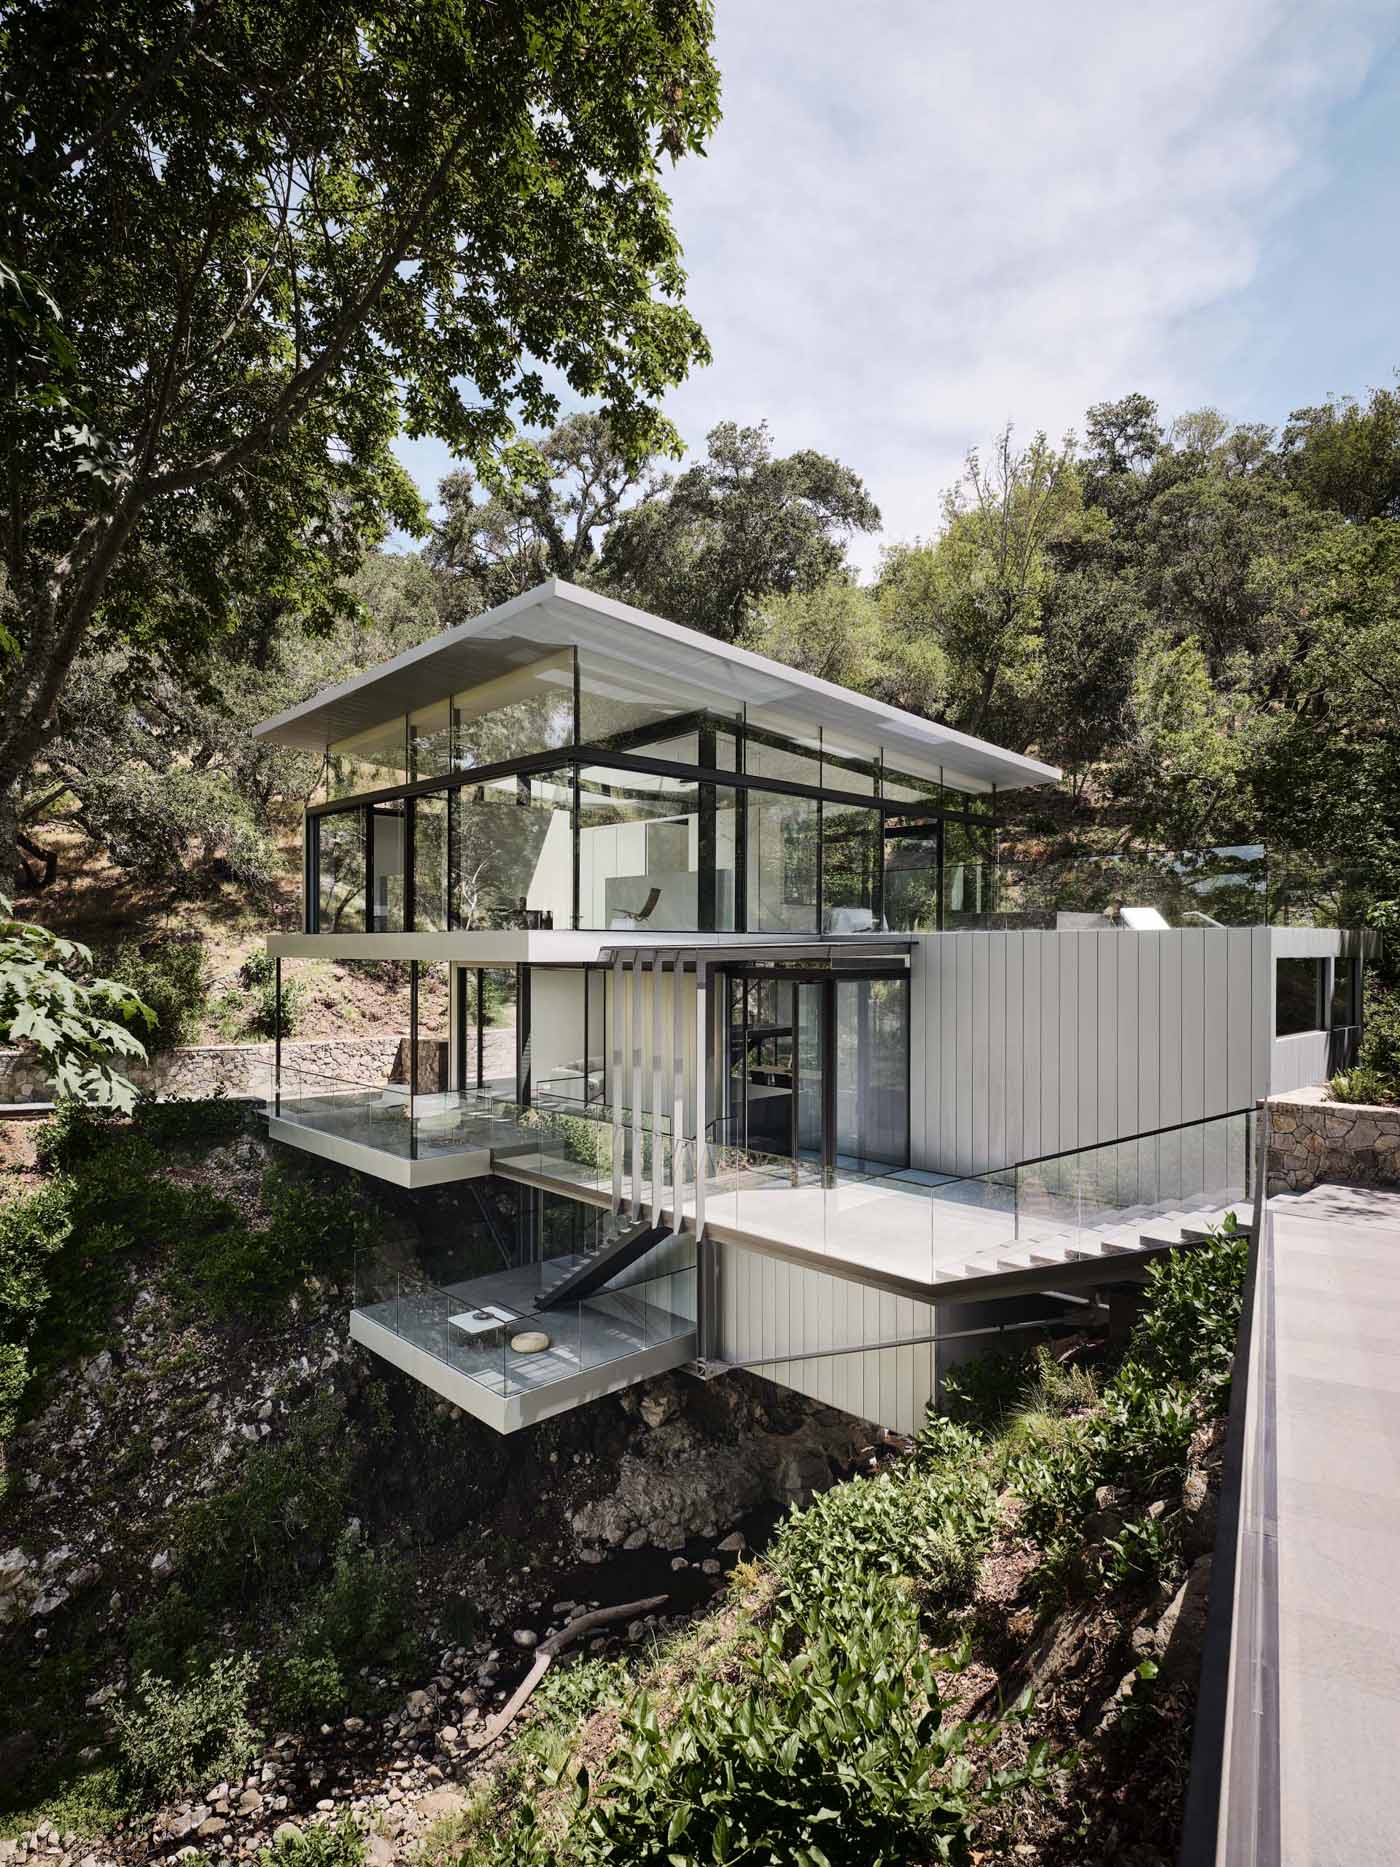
(460, 1339)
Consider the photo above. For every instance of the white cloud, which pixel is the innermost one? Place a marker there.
(919, 220)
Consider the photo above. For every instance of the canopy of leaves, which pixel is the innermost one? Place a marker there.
(50, 1003)
(256, 239)
(739, 525)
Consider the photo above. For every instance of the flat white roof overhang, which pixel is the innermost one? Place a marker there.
(670, 661)
(516, 947)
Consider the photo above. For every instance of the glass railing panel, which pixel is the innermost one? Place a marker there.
(369, 1114)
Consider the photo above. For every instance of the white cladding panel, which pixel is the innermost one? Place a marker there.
(1028, 1044)
(772, 1307)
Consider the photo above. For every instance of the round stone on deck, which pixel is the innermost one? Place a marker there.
(529, 1342)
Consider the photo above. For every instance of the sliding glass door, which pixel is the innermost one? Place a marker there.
(818, 1068)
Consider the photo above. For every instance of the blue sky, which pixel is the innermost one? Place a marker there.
(919, 220)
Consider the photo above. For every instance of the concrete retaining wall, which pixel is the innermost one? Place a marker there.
(1312, 1138)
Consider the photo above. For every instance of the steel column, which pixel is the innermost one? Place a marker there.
(658, 1163)
(636, 1083)
(617, 1082)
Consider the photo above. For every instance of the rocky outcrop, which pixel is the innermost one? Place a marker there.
(1313, 1138)
(678, 1479)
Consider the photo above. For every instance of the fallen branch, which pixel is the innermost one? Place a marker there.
(545, 1655)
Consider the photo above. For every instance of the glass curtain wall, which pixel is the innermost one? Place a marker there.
(340, 872)
(512, 853)
(604, 847)
(654, 852)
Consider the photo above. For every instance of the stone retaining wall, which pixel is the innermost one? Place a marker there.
(1312, 1138)
(244, 1069)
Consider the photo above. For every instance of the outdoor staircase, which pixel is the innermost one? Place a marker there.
(620, 1243)
(1133, 1234)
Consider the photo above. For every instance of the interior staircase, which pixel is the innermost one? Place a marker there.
(620, 1242)
(1137, 1232)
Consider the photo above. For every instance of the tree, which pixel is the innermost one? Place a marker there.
(738, 525)
(274, 234)
(858, 637)
(1191, 744)
(1346, 457)
(50, 1003)
(989, 572)
(542, 515)
(158, 767)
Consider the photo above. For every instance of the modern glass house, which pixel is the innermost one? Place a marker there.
(782, 1071)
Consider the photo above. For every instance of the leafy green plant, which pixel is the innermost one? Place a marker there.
(33, 1231)
(51, 1003)
(1375, 1076)
(926, 1523)
(1143, 1551)
(262, 1011)
(826, 1749)
(180, 1121)
(172, 978)
(360, 1613)
(320, 1844)
(173, 1738)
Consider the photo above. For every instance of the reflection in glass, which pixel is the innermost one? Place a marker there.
(1345, 995)
(531, 709)
(850, 855)
(911, 882)
(782, 863)
(872, 1072)
(387, 854)
(512, 853)
(969, 874)
(340, 872)
(430, 742)
(1298, 995)
(430, 864)
(372, 760)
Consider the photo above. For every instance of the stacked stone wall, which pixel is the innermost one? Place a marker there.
(1312, 1138)
(246, 1069)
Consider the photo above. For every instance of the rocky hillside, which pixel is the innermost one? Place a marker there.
(249, 1576)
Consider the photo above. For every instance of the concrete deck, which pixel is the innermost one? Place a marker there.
(1336, 1344)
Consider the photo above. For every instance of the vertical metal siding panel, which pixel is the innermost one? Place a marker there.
(948, 1059)
(1169, 1048)
(1069, 1039)
(918, 1053)
(1149, 1039)
(1215, 1097)
(1050, 1124)
(932, 1061)
(1127, 1034)
(969, 1063)
(1014, 1053)
(1030, 1038)
(1262, 1000)
(1087, 1048)
(994, 1141)
(1240, 1018)
(1193, 1013)
(1109, 950)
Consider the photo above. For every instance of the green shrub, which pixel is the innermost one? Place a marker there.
(1375, 1076)
(240, 1273)
(1189, 1321)
(264, 1536)
(34, 1230)
(172, 976)
(929, 1523)
(257, 971)
(189, 1121)
(359, 1614)
(826, 1749)
(262, 1013)
(982, 1392)
(170, 1639)
(171, 1739)
(322, 1844)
